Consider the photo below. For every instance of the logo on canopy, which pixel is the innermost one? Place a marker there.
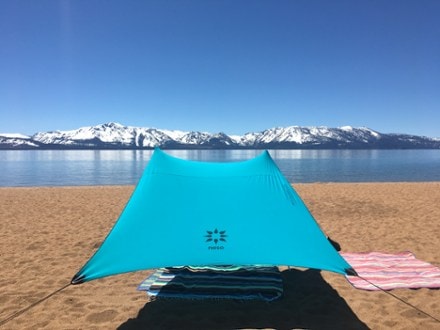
(216, 236)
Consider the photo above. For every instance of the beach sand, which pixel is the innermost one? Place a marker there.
(47, 234)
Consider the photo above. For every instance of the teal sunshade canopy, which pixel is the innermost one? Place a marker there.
(201, 213)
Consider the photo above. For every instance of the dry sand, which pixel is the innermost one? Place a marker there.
(47, 234)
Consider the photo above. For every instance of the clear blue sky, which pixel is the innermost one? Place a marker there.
(220, 65)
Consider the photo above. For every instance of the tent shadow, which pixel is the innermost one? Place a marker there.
(309, 302)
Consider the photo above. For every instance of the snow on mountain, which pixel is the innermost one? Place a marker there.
(16, 141)
(116, 136)
(106, 133)
(315, 135)
(14, 136)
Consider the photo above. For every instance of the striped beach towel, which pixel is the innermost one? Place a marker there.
(223, 282)
(391, 271)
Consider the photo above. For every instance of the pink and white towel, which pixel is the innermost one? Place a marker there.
(391, 271)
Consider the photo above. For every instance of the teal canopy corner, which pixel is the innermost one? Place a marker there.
(201, 213)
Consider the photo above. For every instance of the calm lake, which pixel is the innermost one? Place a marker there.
(125, 167)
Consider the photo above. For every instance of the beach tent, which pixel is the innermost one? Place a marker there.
(202, 213)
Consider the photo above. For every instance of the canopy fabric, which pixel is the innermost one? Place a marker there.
(202, 213)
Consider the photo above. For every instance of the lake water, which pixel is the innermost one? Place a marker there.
(125, 167)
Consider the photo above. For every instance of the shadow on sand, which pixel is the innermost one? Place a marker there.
(309, 302)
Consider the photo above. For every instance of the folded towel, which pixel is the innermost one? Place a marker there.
(391, 271)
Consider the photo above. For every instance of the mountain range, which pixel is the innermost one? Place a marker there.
(117, 136)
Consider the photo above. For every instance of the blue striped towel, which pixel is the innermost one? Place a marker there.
(219, 282)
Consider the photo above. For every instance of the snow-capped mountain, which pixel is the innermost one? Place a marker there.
(16, 141)
(117, 136)
(311, 136)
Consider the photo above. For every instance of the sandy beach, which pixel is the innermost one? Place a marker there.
(47, 234)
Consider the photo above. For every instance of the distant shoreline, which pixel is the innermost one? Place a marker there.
(282, 147)
(114, 136)
(294, 184)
